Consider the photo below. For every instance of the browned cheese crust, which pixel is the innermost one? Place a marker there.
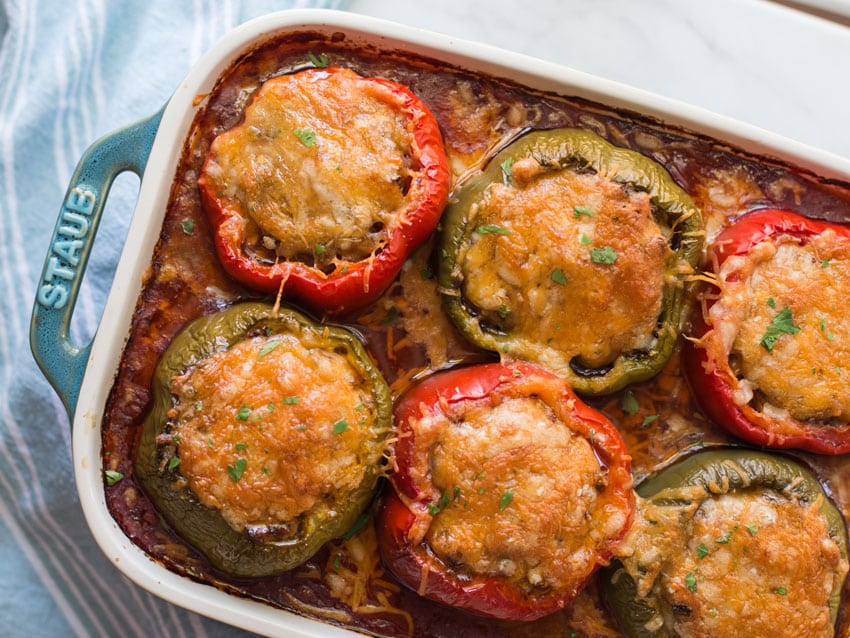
(320, 164)
(805, 374)
(580, 267)
(752, 563)
(272, 429)
(520, 492)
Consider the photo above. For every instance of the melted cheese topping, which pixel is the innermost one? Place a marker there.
(517, 494)
(750, 563)
(274, 429)
(320, 163)
(538, 278)
(802, 375)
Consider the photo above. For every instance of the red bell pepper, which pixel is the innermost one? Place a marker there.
(408, 509)
(711, 376)
(351, 285)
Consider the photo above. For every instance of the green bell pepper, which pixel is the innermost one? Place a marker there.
(718, 471)
(269, 546)
(565, 265)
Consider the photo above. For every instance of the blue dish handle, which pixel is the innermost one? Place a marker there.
(62, 361)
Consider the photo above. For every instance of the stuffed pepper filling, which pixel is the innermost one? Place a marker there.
(574, 254)
(321, 164)
(272, 430)
(523, 494)
(266, 437)
(572, 260)
(780, 320)
(508, 492)
(734, 544)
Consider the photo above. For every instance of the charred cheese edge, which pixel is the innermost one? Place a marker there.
(749, 562)
(803, 374)
(274, 430)
(320, 165)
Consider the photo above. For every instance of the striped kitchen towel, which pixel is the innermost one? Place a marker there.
(71, 71)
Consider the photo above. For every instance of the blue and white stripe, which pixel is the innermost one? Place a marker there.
(70, 72)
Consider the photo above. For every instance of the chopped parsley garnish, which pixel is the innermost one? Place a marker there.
(771, 302)
(210, 443)
(783, 324)
(271, 345)
(507, 168)
(301, 427)
(648, 419)
(112, 477)
(392, 317)
(504, 311)
(493, 229)
(359, 524)
(426, 273)
(307, 137)
(291, 400)
(173, 462)
(319, 61)
(781, 591)
(691, 582)
(578, 211)
(558, 277)
(752, 529)
(723, 540)
(828, 333)
(584, 239)
(244, 413)
(241, 446)
(603, 255)
(824, 263)
(433, 509)
(198, 405)
(505, 499)
(265, 470)
(629, 403)
(702, 551)
(237, 469)
(320, 250)
(340, 426)
(188, 226)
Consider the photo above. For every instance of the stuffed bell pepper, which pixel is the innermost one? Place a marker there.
(507, 493)
(731, 543)
(266, 437)
(325, 187)
(571, 253)
(771, 343)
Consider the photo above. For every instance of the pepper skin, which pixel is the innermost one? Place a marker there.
(257, 549)
(351, 284)
(409, 512)
(713, 380)
(572, 259)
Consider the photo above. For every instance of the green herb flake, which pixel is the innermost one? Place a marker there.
(592, 435)
(176, 439)
(198, 405)
(691, 582)
(493, 229)
(504, 311)
(340, 426)
(188, 226)
(584, 239)
(558, 277)
(723, 540)
(578, 211)
(360, 407)
(505, 499)
(241, 446)
(320, 250)
(337, 561)
(237, 469)
(307, 137)
(173, 462)
(605, 255)
(456, 492)
(783, 324)
(507, 168)
(824, 263)
(291, 400)
(319, 61)
(301, 427)
(433, 509)
(629, 403)
(702, 551)
(112, 477)
(244, 413)
(210, 443)
(359, 524)
(271, 345)
(445, 499)
(391, 318)
(771, 302)
(651, 418)
(752, 529)
(781, 591)
(426, 273)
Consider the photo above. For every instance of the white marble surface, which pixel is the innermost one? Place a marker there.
(758, 61)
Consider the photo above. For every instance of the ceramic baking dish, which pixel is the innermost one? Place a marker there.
(83, 374)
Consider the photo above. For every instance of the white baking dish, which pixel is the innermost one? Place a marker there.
(83, 375)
